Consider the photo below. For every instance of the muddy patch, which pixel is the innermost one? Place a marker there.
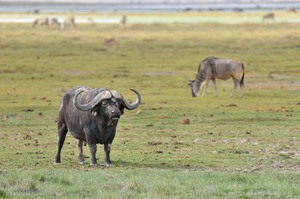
(77, 72)
(158, 73)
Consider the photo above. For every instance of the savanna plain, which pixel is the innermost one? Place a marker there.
(173, 145)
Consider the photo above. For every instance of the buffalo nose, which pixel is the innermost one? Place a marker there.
(115, 113)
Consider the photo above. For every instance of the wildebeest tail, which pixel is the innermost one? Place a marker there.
(242, 79)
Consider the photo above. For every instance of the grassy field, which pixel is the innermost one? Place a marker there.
(233, 147)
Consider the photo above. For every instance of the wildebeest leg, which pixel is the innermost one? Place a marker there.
(107, 148)
(80, 152)
(204, 86)
(214, 81)
(235, 84)
(241, 91)
(62, 132)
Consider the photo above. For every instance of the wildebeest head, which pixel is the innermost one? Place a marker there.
(195, 86)
(108, 104)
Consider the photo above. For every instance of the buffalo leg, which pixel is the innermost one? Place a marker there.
(107, 148)
(80, 152)
(93, 149)
(62, 132)
(92, 145)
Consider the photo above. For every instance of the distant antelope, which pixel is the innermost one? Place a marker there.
(123, 21)
(213, 68)
(268, 16)
(110, 42)
(293, 10)
(55, 22)
(69, 22)
(44, 21)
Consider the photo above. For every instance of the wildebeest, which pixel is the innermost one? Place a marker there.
(269, 16)
(213, 68)
(69, 22)
(91, 115)
(55, 22)
(43, 21)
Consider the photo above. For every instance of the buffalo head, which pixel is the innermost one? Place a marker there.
(107, 104)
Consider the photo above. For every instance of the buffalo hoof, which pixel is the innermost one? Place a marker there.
(108, 164)
(57, 160)
(94, 165)
(81, 162)
(80, 159)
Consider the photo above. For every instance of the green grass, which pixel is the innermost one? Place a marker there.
(136, 183)
(233, 147)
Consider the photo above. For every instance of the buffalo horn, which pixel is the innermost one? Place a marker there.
(85, 107)
(135, 104)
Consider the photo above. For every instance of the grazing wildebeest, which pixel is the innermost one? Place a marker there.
(55, 22)
(69, 22)
(213, 68)
(269, 16)
(91, 115)
(43, 21)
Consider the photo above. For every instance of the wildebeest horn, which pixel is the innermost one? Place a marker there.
(190, 81)
(85, 107)
(133, 105)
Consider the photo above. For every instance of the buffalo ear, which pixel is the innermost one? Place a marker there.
(94, 111)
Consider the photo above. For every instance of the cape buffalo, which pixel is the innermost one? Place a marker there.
(213, 68)
(91, 115)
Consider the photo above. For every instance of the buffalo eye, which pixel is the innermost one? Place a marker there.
(104, 103)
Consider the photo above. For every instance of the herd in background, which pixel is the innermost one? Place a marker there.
(45, 21)
(271, 15)
(68, 22)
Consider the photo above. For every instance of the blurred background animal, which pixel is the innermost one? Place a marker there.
(69, 22)
(43, 21)
(268, 17)
(56, 23)
(123, 21)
